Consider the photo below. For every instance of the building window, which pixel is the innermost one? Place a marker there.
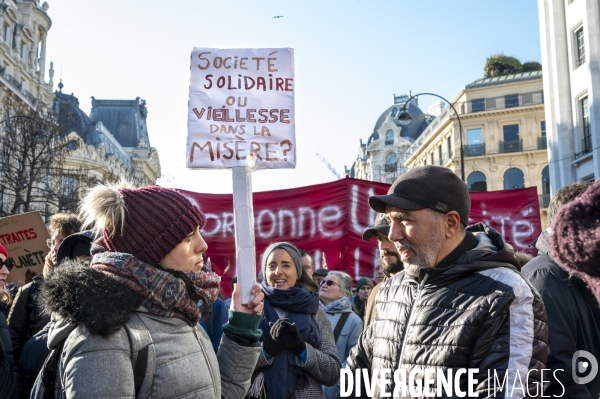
(545, 196)
(389, 180)
(512, 140)
(440, 154)
(478, 105)
(6, 34)
(514, 178)
(511, 100)
(475, 145)
(391, 162)
(432, 158)
(394, 112)
(389, 137)
(542, 141)
(475, 136)
(476, 182)
(580, 47)
(585, 122)
(449, 143)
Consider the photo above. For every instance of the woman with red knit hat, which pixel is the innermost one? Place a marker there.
(147, 262)
(6, 349)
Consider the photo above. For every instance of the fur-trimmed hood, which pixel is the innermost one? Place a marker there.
(76, 293)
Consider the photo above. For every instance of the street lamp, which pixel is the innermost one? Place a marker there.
(406, 116)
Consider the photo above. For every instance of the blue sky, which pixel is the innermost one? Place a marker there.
(351, 57)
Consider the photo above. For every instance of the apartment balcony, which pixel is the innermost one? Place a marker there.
(586, 146)
(542, 143)
(29, 96)
(502, 102)
(510, 146)
(391, 167)
(474, 150)
(13, 81)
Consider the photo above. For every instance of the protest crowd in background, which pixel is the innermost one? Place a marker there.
(129, 306)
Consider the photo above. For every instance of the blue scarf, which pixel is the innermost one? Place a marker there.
(337, 306)
(283, 376)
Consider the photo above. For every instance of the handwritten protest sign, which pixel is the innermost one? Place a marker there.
(241, 103)
(24, 237)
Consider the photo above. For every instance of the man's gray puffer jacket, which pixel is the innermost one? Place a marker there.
(475, 313)
(94, 366)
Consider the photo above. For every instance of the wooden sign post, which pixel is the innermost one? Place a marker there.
(241, 116)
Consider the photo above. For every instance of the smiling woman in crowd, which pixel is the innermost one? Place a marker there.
(335, 294)
(146, 265)
(299, 352)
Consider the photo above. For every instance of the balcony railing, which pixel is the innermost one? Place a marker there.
(474, 150)
(510, 146)
(13, 81)
(494, 103)
(542, 143)
(389, 142)
(544, 200)
(586, 146)
(29, 96)
(391, 167)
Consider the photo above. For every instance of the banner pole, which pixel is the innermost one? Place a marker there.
(243, 211)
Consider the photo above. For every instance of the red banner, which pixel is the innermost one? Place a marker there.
(328, 220)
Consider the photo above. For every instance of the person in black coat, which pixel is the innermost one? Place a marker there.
(6, 349)
(573, 313)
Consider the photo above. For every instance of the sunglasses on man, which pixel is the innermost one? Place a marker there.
(329, 283)
(8, 263)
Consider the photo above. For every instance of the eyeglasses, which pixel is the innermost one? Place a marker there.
(8, 263)
(53, 243)
(329, 283)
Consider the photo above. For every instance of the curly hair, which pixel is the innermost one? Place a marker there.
(65, 223)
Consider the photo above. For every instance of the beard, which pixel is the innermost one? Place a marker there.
(424, 255)
(393, 267)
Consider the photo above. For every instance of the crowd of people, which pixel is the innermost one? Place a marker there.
(128, 306)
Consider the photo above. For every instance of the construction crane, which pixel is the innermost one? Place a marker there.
(331, 168)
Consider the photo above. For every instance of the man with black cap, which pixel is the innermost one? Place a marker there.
(388, 254)
(459, 304)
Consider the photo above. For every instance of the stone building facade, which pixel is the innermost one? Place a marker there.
(504, 136)
(570, 44)
(109, 144)
(382, 158)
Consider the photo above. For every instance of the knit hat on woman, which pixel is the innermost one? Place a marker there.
(575, 238)
(146, 222)
(290, 249)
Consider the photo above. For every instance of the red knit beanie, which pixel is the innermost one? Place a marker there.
(156, 221)
(3, 251)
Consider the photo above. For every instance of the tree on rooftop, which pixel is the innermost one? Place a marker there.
(532, 66)
(500, 64)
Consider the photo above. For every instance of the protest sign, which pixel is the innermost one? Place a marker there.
(241, 103)
(24, 237)
(328, 220)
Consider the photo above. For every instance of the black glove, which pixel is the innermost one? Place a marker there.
(287, 333)
(270, 345)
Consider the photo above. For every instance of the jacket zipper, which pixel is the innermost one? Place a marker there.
(415, 299)
(212, 377)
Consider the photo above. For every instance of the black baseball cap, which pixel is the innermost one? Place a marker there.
(433, 187)
(75, 245)
(381, 225)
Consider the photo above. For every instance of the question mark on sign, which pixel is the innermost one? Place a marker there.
(285, 151)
